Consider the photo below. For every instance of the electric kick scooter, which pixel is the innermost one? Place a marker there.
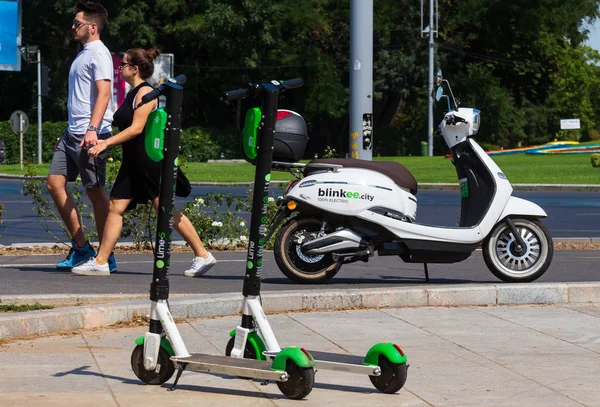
(161, 350)
(385, 363)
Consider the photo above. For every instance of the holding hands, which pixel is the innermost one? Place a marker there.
(94, 151)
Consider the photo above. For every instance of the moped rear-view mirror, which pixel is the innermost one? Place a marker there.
(439, 93)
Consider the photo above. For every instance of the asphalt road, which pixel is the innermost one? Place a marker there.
(570, 214)
(37, 274)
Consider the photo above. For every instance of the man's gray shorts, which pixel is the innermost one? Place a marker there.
(71, 160)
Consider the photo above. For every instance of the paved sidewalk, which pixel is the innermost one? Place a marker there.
(471, 356)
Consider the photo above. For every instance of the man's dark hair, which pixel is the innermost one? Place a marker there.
(93, 12)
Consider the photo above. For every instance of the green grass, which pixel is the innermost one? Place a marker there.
(24, 307)
(519, 168)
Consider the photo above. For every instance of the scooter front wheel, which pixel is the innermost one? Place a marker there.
(249, 352)
(296, 265)
(164, 367)
(300, 381)
(392, 377)
(512, 264)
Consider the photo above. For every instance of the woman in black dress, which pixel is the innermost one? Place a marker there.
(139, 177)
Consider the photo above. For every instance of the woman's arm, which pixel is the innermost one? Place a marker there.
(140, 116)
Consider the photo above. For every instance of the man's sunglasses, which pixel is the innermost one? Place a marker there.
(78, 24)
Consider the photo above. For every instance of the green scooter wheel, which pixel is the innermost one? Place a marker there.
(300, 381)
(249, 352)
(164, 368)
(392, 377)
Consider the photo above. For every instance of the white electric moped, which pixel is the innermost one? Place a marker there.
(340, 211)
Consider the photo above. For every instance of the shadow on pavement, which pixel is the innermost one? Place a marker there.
(383, 281)
(82, 371)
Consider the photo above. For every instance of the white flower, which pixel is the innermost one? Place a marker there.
(243, 238)
(242, 224)
(279, 197)
(217, 224)
(199, 201)
(271, 199)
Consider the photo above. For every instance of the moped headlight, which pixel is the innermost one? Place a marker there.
(476, 120)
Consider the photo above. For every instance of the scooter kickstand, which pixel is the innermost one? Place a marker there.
(426, 272)
(180, 370)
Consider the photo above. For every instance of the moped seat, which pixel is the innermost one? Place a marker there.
(396, 171)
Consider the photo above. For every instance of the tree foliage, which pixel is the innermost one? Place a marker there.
(522, 63)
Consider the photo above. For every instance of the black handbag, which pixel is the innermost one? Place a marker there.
(183, 187)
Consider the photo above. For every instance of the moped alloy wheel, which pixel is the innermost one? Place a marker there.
(300, 381)
(512, 264)
(296, 265)
(392, 377)
(164, 368)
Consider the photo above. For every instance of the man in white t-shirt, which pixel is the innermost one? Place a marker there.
(90, 117)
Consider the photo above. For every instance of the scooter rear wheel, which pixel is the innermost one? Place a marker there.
(165, 366)
(518, 266)
(297, 266)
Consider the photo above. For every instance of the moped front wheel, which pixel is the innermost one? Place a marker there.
(512, 263)
(296, 265)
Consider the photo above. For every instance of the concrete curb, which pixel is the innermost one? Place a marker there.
(201, 306)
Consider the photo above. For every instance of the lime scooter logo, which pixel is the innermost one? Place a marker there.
(249, 265)
(160, 250)
(268, 177)
(160, 264)
(261, 241)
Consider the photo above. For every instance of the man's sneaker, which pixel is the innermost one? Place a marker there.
(77, 255)
(112, 263)
(91, 268)
(200, 266)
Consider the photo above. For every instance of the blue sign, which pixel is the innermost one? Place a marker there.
(10, 35)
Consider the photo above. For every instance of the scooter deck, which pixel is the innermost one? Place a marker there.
(256, 369)
(340, 362)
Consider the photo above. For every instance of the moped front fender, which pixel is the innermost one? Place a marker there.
(522, 207)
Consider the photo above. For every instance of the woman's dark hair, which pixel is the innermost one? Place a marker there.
(94, 12)
(144, 60)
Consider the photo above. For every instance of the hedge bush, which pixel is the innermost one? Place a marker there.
(197, 143)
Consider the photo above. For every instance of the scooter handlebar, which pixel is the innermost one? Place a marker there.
(292, 83)
(179, 79)
(236, 94)
(256, 89)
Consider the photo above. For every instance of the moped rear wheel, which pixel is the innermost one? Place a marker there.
(507, 262)
(296, 265)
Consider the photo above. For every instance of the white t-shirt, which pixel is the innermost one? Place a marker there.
(92, 64)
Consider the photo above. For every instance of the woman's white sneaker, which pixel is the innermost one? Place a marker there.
(91, 268)
(200, 266)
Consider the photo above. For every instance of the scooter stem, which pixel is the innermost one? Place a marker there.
(159, 288)
(258, 220)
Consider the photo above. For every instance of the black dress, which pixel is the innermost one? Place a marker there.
(139, 176)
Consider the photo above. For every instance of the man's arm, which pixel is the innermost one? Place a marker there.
(103, 87)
